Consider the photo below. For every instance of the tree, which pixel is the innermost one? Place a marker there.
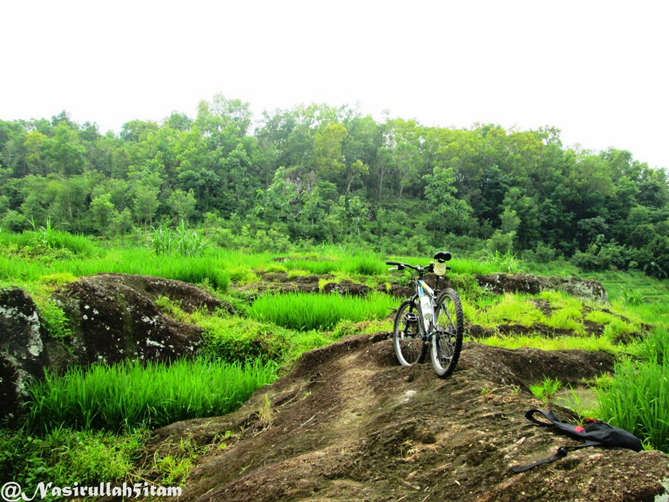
(447, 213)
(65, 152)
(145, 203)
(182, 203)
(123, 223)
(328, 157)
(102, 213)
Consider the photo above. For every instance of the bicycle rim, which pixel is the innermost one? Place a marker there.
(447, 337)
(407, 336)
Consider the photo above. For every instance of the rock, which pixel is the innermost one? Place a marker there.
(533, 284)
(346, 288)
(113, 317)
(349, 423)
(22, 349)
(396, 290)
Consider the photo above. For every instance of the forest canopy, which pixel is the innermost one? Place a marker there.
(331, 174)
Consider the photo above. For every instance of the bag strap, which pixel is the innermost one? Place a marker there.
(549, 415)
(561, 452)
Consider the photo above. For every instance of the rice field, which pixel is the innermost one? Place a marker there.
(244, 352)
(134, 395)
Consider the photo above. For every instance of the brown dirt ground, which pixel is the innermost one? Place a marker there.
(349, 424)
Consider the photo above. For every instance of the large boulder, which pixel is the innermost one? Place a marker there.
(22, 349)
(114, 317)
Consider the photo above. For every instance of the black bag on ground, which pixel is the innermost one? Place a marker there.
(593, 432)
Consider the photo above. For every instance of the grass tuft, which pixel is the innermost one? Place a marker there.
(130, 395)
(305, 312)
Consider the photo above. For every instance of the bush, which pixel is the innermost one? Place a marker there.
(543, 253)
(602, 256)
(501, 243)
(181, 241)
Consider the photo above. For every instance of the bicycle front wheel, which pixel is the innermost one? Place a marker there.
(407, 335)
(448, 333)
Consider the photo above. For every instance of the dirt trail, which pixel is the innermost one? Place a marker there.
(347, 423)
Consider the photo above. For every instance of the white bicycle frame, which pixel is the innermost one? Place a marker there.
(428, 317)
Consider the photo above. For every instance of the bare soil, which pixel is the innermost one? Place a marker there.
(347, 423)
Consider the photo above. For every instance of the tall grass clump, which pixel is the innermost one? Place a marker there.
(637, 398)
(366, 265)
(181, 241)
(303, 311)
(319, 267)
(131, 395)
(141, 261)
(47, 237)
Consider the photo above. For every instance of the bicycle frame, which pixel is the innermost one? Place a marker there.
(442, 336)
(426, 309)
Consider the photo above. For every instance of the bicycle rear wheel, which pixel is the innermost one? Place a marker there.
(407, 335)
(448, 333)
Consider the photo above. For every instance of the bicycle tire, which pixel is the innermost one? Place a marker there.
(410, 348)
(447, 336)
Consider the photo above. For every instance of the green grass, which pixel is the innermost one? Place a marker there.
(64, 456)
(509, 309)
(55, 321)
(130, 395)
(566, 318)
(133, 261)
(600, 317)
(637, 397)
(306, 312)
(40, 240)
(545, 390)
(366, 265)
(559, 343)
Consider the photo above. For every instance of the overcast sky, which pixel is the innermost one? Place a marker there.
(596, 70)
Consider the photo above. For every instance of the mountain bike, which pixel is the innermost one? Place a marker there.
(429, 319)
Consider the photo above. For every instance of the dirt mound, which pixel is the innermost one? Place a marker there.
(534, 284)
(348, 423)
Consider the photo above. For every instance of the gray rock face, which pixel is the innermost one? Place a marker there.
(114, 317)
(533, 284)
(22, 349)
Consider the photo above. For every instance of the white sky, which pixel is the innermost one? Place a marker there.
(597, 70)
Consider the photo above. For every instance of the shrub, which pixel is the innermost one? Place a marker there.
(543, 253)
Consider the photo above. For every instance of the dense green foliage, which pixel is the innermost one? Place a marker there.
(324, 174)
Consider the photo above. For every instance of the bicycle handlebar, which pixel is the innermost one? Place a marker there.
(402, 266)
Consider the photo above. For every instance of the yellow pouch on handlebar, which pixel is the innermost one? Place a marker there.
(439, 269)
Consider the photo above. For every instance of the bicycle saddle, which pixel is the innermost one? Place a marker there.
(442, 256)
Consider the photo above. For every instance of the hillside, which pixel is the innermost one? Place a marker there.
(348, 423)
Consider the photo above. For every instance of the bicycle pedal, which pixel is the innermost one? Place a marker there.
(410, 317)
